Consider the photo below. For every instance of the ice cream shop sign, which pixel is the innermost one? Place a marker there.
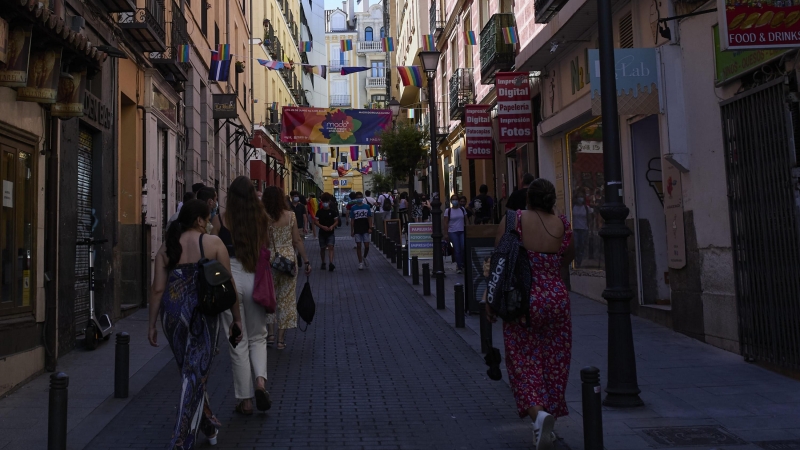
(758, 25)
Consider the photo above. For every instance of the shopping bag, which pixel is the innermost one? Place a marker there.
(263, 286)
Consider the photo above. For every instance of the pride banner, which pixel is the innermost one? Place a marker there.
(333, 126)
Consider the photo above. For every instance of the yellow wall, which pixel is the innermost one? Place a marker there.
(129, 127)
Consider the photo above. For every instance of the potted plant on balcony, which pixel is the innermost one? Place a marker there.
(239, 66)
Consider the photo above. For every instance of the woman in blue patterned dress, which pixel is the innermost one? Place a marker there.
(192, 336)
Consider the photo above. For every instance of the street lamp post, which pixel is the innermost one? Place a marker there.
(430, 60)
(394, 106)
(622, 389)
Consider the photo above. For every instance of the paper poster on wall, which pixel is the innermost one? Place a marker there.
(8, 194)
(673, 210)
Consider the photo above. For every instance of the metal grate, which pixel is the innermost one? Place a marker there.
(84, 207)
(759, 159)
(626, 31)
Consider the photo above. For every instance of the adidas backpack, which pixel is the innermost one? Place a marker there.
(510, 278)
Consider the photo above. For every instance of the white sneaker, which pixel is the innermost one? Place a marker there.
(360, 266)
(543, 431)
(366, 264)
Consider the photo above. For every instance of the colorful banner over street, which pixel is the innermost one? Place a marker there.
(514, 107)
(479, 131)
(758, 25)
(333, 126)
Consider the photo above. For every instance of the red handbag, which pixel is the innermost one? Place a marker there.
(263, 287)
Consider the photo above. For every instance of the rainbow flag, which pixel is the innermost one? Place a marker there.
(469, 38)
(510, 35)
(388, 44)
(410, 75)
(183, 53)
(346, 45)
(427, 43)
(323, 158)
(411, 113)
(224, 52)
(304, 47)
(371, 151)
(354, 153)
(274, 106)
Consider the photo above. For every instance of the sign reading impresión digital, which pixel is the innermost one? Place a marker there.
(515, 122)
(479, 131)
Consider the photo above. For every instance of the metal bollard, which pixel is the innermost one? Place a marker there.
(440, 290)
(391, 251)
(57, 412)
(426, 279)
(398, 251)
(459, 308)
(592, 411)
(122, 357)
(415, 271)
(406, 267)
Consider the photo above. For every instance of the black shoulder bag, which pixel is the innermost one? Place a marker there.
(215, 292)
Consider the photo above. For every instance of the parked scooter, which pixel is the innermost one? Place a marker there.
(97, 327)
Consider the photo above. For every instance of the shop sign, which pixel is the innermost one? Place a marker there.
(590, 147)
(746, 25)
(69, 102)
(673, 210)
(3, 40)
(164, 106)
(96, 111)
(637, 81)
(733, 64)
(15, 73)
(43, 74)
(514, 110)
(420, 242)
(224, 106)
(479, 132)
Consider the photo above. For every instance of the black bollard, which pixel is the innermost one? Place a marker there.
(388, 245)
(57, 412)
(398, 251)
(380, 241)
(459, 308)
(391, 251)
(440, 290)
(426, 279)
(592, 411)
(122, 357)
(406, 267)
(415, 271)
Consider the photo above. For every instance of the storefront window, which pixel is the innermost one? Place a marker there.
(585, 146)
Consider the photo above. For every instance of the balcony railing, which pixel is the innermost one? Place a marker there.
(340, 100)
(337, 64)
(546, 9)
(121, 5)
(461, 92)
(437, 22)
(496, 55)
(376, 82)
(370, 46)
(167, 61)
(146, 25)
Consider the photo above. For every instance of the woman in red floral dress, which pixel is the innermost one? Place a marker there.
(538, 354)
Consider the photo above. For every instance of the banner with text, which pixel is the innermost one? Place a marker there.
(479, 131)
(637, 81)
(514, 107)
(758, 25)
(333, 126)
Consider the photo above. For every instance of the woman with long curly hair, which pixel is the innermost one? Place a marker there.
(192, 336)
(244, 230)
(286, 241)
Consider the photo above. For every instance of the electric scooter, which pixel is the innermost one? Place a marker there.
(96, 327)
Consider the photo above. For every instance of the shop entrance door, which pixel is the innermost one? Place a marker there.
(85, 222)
(760, 132)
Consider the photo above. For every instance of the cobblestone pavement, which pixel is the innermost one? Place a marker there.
(377, 369)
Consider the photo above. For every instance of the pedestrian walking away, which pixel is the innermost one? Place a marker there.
(244, 231)
(538, 349)
(300, 216)
(360, 228)
(454, 222)
(285, 240)
(369, 199)
(327, 219)
(519, 198)
(192, 336)
(482, 206)
(312, 205)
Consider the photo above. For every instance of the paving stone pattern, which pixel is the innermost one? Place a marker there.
(377, 369)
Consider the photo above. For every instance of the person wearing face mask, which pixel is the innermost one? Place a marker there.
(209, 195)
(327, 219)
(581, 215)
(360, 228)
(454, 222)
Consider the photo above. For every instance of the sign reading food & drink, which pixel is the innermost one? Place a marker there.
(514, 107)
(746, 25)
(479, 131)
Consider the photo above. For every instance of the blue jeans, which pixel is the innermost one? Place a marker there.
(457, 238)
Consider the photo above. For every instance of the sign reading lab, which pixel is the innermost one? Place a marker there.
(637, 78)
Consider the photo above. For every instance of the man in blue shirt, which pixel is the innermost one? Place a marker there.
(361, 227)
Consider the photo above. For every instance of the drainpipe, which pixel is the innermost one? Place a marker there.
(50, 338)
(145, 255)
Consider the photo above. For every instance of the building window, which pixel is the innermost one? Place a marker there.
(337, 22)
(368, 34)
(378, 69)
(383, 34)
(204, 18)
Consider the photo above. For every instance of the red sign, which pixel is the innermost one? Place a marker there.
(479, 132)
(514, 107)
(759, 25)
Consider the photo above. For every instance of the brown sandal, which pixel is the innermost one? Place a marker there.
(240, 409)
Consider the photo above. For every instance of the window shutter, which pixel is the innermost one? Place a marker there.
(626, 31)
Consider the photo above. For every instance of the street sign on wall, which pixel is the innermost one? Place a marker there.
(224, 106)
(514, 110)
(758, 25)
(479, 131)
(732, 65)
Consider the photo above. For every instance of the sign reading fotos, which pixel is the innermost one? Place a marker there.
(479, 132)
(43, 76)
(15, 72)
(514, 110)
(746, 25)
(637, 80)
(224, 106)
(69, 102)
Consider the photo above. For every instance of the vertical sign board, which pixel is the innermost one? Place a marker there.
(391, 228)
(420, 242)
(514, 110)
(673, 210)
(479, 132)
(758, 25)
(18, 52)
(43, 75)
(478, 248)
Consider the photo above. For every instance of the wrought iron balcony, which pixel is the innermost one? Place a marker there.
(376, 82)
(437, 22)
(340, 100)
(461, 92)
(496, 55)
(146, 25)
(370, 46)
(275, 48)
(168, 60)
(337, 64)
(547, 9)
(120, 5)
